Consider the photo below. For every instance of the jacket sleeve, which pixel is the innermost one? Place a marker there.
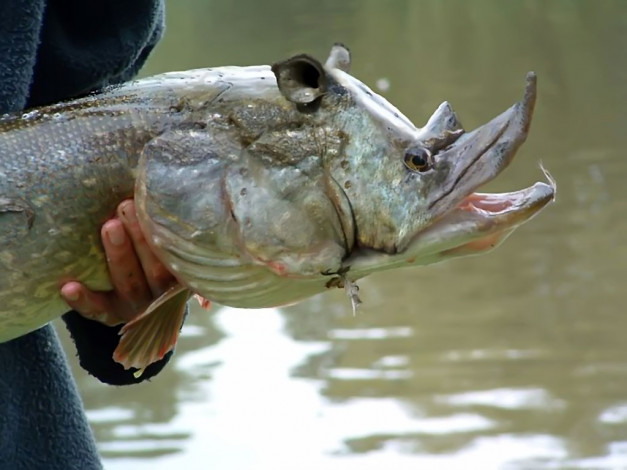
(83, 46)
(95, 344)
(87, 45)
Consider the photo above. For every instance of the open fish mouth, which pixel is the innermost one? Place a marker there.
(470, 222)
(466, 222)
(482, 221)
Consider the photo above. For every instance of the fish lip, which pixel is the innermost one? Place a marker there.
(477, 157)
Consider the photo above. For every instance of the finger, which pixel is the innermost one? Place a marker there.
(157, 276)
(90, 304)
(126, 274)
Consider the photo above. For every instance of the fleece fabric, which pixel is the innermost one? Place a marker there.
(51, 50)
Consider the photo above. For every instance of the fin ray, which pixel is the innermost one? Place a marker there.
(150, 336)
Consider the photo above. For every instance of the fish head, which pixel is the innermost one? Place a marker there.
(411, 190)
(292, 180)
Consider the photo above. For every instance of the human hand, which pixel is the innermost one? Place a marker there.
(137, 275)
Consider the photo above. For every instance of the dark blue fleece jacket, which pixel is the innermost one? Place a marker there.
(51, 50)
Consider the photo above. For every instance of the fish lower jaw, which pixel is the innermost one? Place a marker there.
(495, 215)
(483, 220)
(479, 223)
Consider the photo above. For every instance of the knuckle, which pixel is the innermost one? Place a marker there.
(116, 257)
(121, 260)
(161, 276)
(131, 289)
(136, 234)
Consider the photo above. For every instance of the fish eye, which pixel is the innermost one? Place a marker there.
(418, 159)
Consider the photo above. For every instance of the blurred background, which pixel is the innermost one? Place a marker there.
(512, 360)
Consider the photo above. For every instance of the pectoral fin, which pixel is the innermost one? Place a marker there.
(152, 334)
(204, 303)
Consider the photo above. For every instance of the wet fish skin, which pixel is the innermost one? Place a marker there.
(256, 186)
(66, 168)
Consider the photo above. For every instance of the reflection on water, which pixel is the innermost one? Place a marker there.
(513, 360)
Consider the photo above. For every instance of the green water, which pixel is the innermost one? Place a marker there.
(515, 360)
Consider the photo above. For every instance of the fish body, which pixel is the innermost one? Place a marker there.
(256, 186)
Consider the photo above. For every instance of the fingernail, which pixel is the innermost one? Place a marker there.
(116, 235)
(72, 295)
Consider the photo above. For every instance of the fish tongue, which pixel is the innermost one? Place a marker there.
(148, 337)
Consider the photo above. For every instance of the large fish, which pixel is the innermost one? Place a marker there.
(256, 186)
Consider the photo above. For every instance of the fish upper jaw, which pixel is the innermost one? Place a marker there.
(477, 157)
